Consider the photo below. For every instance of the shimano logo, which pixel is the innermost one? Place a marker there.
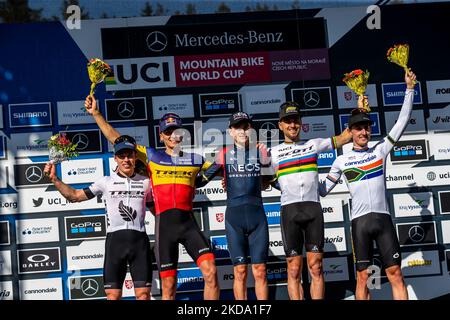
(22, 115)
(352, 163)
(273, 214)
(189, 279)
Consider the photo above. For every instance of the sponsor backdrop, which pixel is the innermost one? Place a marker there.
(53, 249)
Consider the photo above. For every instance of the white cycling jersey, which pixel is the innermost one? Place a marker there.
(125, 199)
(295, 165)
(365, 170)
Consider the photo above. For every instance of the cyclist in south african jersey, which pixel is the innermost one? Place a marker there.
(364, 170)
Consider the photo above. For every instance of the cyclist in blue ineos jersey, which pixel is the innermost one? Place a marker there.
(364, 170)
(242, 166)
(126, 195)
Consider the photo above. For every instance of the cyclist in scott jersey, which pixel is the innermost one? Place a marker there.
(242, 166)
(125, 194)
(364, 170)
(295, 164)
(173, 175)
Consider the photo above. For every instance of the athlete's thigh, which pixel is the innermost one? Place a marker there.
(362, 242)
(314, 228)
(166, 244)
(140, 262)
(193, 239)
(387, 242)
(291, 230)
(115, 262)
(258, 238)
(237, 240)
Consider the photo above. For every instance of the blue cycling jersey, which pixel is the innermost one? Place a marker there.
(242, 169)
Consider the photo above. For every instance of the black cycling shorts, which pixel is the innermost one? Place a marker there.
(302, 224)
(177, 226)
(378, 227)
(127, 247)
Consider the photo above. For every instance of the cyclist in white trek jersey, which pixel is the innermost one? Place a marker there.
(295, 164)
(126, 195)
(364, 171)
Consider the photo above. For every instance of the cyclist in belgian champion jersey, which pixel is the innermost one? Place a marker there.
(126, 195)
(364, 170)
(242, 166)
(173, 175)
(295, 164)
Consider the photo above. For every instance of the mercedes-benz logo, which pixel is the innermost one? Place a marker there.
(268, 130)
(33, 174)
(311, 99)
(125, 109)
(156, 41)
(89, 287)
(81, 140)
(416, 234)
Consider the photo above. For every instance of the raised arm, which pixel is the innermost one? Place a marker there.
(108, 131)
(71, 194)
(404, 116)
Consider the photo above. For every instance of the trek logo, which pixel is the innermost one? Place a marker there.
(141, 73)
(174, 173)
(411, 150)
(30, 115)
(39, 260)
(85, 227)
(219, 104)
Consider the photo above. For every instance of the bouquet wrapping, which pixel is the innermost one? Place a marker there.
(98, 70)
(399, 54)
(61, 148)
(357, 81)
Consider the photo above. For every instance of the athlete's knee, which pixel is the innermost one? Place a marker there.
(209, 272)
(395, 275)
(142, 295)
(259, 272)
(315, 268)
(362, 277)
(169, 285)
(113, 294)
(240, 272)
(294, 269)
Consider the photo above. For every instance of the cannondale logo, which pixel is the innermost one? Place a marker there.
(268, 130)
(157, 41)
(125, 109)
(33, 174)
(311, 99)
(431, 176)
(81, 140)
(89, 287)
(416, 234)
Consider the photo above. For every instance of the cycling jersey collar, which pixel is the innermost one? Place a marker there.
(123, 176)
(361, 150)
